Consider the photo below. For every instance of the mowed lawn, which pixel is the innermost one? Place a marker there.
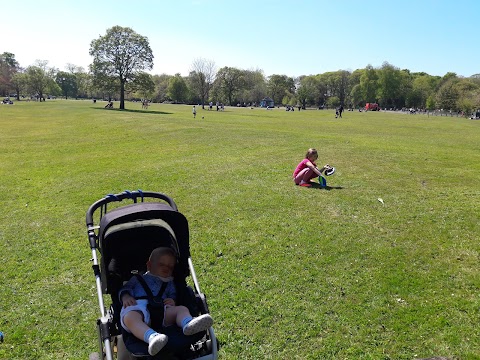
(382, 265)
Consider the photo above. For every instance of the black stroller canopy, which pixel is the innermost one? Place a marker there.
(128, 235)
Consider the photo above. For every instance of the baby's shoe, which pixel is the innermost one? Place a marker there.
(198, 324)
(156, 343)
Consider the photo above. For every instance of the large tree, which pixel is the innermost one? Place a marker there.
(229, 82)
(254, 86)
(202, 75)
(307, 90)
(161, 87)
(68, 83)
(279, 86)
(177, 89)
(120, 54)
(8, 68)
(368, 84)
(19, 83)
(39, 78)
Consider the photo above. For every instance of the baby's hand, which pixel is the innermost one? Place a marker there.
(169, 302)
(128, 300)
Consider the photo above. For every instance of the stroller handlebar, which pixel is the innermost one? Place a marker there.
(133, 195)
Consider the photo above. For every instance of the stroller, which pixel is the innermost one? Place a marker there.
(125, 237)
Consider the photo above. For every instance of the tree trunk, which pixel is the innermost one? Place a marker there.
(122, 94)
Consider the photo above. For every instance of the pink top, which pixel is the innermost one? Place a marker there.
(301, 166)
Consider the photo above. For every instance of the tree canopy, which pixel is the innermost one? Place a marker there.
(120, 54)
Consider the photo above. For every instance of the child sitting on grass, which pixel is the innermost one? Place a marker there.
(135, 317)
(307, 169)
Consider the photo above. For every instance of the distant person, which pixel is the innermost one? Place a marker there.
(340, 111)
(194, 111)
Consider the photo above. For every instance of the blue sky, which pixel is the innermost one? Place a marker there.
(297, 37)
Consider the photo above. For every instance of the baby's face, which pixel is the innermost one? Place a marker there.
(163, 266)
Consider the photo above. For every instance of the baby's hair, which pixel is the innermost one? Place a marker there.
(311, 152)
(161, 251)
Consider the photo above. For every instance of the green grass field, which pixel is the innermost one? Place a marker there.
(289, 272)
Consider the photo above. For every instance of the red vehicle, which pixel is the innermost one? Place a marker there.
(372, 107)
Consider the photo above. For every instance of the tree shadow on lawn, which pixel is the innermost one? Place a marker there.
(136, 111)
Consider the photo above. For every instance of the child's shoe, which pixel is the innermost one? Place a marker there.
(304, 183)
(198, 324)
(156, 343)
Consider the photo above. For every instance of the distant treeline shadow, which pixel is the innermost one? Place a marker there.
(136, 111)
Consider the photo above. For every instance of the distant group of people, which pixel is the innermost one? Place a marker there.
(220, 106)
(292, 108)
(7, 101)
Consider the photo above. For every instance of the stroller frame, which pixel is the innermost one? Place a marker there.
(108, 334)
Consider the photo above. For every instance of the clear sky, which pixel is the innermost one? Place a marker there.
(296, 37)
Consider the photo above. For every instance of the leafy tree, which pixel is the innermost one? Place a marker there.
(83, 81)
(142, 84)
(356, 96)
(286, 100)
(279, 85)
(229, 82)
(447, 95)
(84, 84)
(333, 102)
(321, 90)
(120, 54)
(368, 84)
(389, 85)
(8, 68)
(468, 95)
(161, 87)
(423, 86)
(107, 86)
(254, 87)
(307, 90)
(177, 89)
(202, 76)
(68, 83)
(430, 102)
(19, 83)
(39, 78)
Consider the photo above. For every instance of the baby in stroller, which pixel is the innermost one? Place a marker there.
(135, 316)
(128, 239)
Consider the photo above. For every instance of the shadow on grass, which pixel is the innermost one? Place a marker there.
(136, 111)
(320, 187)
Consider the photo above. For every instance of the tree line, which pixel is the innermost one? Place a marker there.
(121, 59)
